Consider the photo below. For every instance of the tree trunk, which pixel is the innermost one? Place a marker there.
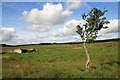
(88, 58)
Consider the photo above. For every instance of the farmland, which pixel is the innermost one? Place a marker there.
(62, 61)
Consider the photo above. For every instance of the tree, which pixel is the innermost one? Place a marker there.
(88, 31)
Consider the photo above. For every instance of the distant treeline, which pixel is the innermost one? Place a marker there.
(95, 41)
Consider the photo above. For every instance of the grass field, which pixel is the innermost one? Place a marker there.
(62, 61)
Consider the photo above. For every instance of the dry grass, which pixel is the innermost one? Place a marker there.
(62, 61)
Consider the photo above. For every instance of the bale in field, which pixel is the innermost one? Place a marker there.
(20, 50)
(24, 50)
(31, 50)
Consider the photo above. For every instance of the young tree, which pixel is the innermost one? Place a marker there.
(88, 31)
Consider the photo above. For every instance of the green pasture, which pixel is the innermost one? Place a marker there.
(62, 61)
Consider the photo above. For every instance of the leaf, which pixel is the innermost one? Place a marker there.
(103, 18)
(106, 22)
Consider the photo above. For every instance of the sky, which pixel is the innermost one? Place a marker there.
(55, 22)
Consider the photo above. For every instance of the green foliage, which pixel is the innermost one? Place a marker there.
(94, 23)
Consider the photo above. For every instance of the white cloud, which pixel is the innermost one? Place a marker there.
(54, 33)
(65, 34)
(112, 27)
(6, 34)
(38, 28)
(111, 32)
(69, 38)
(23, 38)
(109, 36)
(71, 5)
(76, 4)
(70, 27)
(51, 14)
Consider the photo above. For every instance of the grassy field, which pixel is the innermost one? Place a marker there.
(62, 61)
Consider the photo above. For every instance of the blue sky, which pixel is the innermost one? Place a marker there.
(12, 13)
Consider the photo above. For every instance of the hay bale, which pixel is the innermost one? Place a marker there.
(18, 50)
(24, 50)
(31, 50)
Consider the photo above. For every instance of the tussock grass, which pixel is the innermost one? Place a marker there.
(62, 61)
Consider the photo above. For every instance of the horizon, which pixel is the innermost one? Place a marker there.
(22, 22)
(58, 42)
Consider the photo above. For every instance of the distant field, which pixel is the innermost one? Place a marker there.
(62, 61)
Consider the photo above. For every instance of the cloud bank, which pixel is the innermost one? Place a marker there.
(51, 14)
(6, 34)
(38, 28)
(112, 27)
(67, 33)
(74, 5)
(70, 27)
